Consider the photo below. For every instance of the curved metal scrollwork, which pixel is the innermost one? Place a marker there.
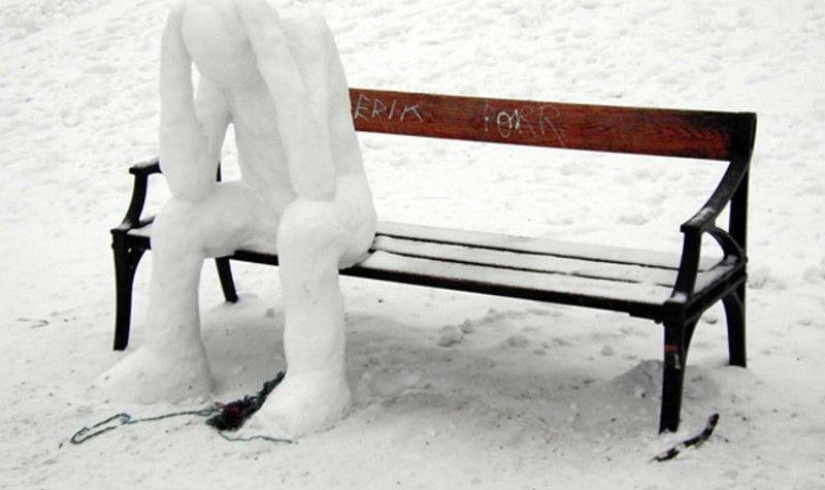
(725, 240)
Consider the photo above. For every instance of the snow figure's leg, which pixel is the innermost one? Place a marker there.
(314, 394)
(327, 226)
(171, 365)
(313, 238)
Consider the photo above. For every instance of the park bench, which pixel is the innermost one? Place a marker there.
(672, 290)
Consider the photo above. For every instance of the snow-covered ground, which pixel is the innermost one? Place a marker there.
(532, 395)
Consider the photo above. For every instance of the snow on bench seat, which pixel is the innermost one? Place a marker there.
(535, 268)
(528, 267)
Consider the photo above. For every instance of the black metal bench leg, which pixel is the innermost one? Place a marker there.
(227, 283)
(677, 342)
(126, 262)
(735, 313)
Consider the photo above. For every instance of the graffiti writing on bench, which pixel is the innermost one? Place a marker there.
(539, 122)
(374, 108)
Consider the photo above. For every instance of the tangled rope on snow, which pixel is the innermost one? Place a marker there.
(233, 415)
(223, 417)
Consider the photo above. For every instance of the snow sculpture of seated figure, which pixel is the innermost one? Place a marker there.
(303, 194)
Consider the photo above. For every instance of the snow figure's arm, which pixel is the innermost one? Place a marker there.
(323, 73)
(190, 139)
(301, 120)
(343, 140)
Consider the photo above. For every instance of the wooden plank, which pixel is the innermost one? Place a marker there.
(620, 287)
(549, 256)
(547, 264)
(472, 277)
(662, 132)
(540, 246)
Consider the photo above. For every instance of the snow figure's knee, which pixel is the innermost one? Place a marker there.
(312, 228)
(174, 230)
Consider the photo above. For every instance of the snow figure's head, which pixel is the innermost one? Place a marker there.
(216, 39)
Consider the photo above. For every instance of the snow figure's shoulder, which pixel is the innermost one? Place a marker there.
(303, 22)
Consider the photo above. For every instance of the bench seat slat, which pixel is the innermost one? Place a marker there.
(539, 246)
(517, 266)
(479, 277)
(584, 253)
(548, 264)
(537, 282)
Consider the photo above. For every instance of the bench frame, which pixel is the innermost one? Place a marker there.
(722, 136)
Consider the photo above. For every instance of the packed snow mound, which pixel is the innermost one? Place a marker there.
(645, 381)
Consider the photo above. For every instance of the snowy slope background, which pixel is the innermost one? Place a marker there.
(532, 395)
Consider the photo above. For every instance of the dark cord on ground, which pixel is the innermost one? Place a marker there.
(228, 417)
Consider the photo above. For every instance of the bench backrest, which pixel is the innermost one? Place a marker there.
(662, 132)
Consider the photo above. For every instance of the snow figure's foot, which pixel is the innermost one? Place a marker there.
(302, 404)
(148, 376)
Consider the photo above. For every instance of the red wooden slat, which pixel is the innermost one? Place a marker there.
(664, 132)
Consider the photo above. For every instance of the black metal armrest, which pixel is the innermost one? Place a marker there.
(705, 218)
(704, 221)
(146, 168)
(141, 171)
(739, 155)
